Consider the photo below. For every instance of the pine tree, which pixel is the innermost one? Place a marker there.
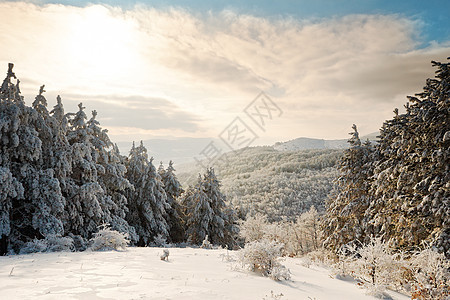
(111, 177)
(197, 212)
(173, 190)
(206, 212)
(147, 202)
(27, 156)
(84, 193)
(345, 220)
(11, 189)
(40, 103)
(413, 172)
(58, 113)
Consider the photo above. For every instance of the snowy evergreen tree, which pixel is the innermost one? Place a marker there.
(173, 190)
(58, 113)
(11, 189)
(399, 190)
(197, 212)
(27, 155)
(84, 211)
(9, 91)
(116, 185)
(345, 220)
(40, 103)
(147, 202)
(413, 171)
(111, 177)
(62, 150)
(206, 212)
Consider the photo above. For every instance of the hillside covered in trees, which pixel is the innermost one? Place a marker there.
(278, 184)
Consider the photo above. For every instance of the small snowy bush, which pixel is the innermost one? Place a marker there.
(253, 229)
(106, 239)
(261, 257)
(58, 243)
(344, 263)
(79, 243)
(34, 246)
(160, 241)
(279, 272)
(165, 255)
(206, 244)
(431, 275)
(51, 243)
(376, 265)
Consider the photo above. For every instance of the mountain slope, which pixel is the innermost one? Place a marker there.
(276, 183)
(303, 143)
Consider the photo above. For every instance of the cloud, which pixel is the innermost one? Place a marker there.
(145, 112)
(171, 70)
(129, 115)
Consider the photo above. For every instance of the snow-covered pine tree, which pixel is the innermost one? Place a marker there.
(111, 177)
(84, 193)
(206, 212)
(345, 219)
(27, 137)
(40, 103)
(58, 113)
(413, 171)
(217, 226)
(173, 190)
(47, 200)
(197, 212)
(9, 91)
(11, 190)
(61, 149)
(147, 202)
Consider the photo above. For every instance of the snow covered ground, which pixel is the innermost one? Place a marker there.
(140, 274)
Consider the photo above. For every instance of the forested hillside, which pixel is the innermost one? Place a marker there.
(276, 183)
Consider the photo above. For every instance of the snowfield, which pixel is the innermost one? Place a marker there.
(139, 273)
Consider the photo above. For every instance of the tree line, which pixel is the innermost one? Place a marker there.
(62, 177)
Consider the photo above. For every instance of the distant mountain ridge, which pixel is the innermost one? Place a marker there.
(309, 143)
(183, 150)
(303, 143)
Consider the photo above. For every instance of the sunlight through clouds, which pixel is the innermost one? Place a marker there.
(325, 73)
(103, 45)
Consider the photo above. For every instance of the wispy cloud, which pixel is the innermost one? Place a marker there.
(137, 111)
(191, 74)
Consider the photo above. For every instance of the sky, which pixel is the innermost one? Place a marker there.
(160, 69)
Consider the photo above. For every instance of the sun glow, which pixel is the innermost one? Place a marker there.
(102, 45)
